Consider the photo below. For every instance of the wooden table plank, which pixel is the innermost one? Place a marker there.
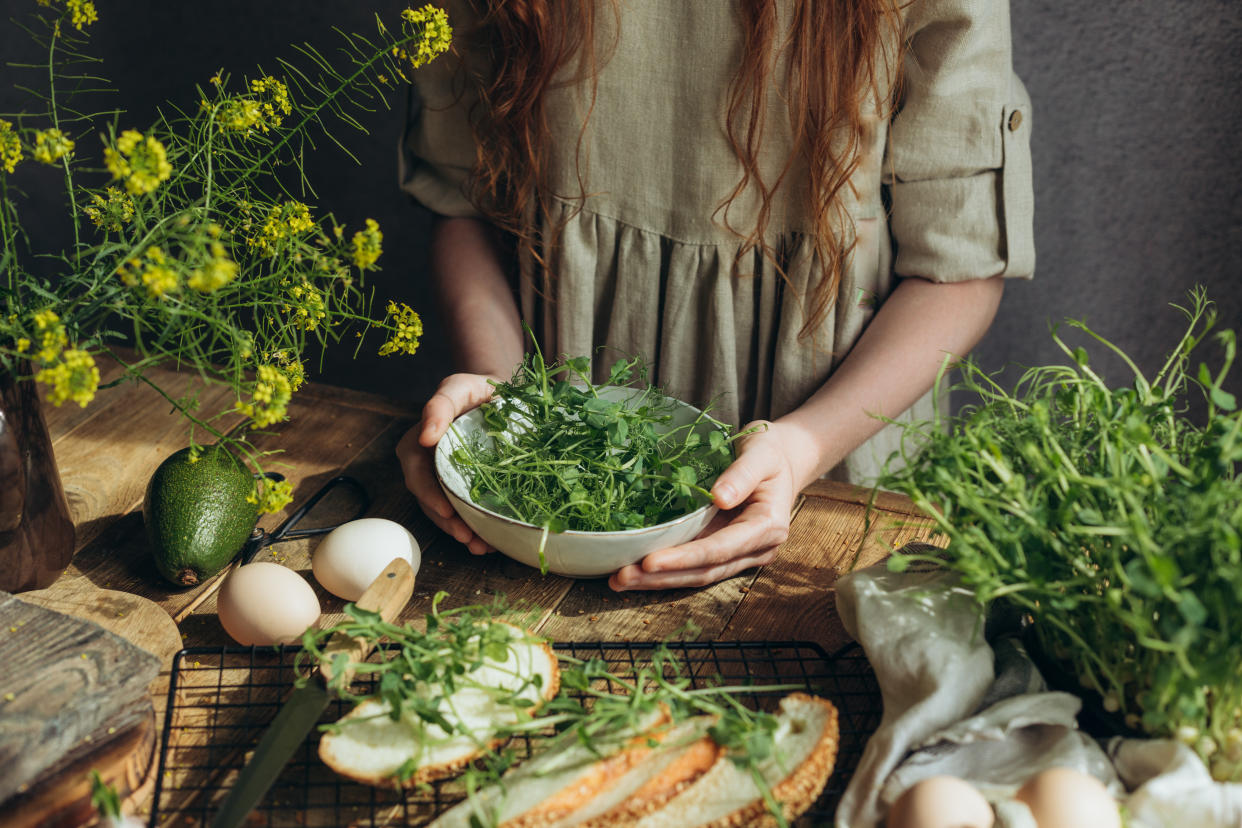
(64, 418)
(793, 597)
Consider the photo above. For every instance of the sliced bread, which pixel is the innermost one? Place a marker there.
(727, 796)
(546, 788)
(370, 747)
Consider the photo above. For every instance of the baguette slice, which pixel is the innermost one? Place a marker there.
(572, 784)
(370, 747)
(727, 797)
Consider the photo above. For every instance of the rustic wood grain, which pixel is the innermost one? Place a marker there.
(67, 686)
(64, 418)
(138, 620)
(593, 612)
(126, 761)
(793, 598)
(847, 493)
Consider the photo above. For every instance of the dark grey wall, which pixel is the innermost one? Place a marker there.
(1138, 113)
(1138, 174)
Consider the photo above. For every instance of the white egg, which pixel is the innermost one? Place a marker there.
(941, 802)
(264, 603)
(1065, 798)
(353, 554)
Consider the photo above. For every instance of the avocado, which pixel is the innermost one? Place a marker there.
(196, 513)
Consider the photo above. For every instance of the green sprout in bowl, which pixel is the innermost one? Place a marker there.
(560, 452)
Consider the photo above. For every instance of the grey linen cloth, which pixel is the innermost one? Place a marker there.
(954, 704)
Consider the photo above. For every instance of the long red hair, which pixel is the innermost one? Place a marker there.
(840, 64)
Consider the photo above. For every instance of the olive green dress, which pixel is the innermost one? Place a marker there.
(645, 264)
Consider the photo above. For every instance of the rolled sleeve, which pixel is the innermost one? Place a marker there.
(959, 165)
(438, 147)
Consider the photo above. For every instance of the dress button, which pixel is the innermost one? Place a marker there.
(1015, 120)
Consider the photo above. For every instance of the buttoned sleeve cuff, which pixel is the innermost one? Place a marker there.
(956, 222)
(958, 165)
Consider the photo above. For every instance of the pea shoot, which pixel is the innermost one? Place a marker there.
(562, 453)
(1113, 517)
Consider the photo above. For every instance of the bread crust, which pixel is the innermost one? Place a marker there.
(799, 790)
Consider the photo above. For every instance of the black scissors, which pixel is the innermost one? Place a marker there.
(260, 538)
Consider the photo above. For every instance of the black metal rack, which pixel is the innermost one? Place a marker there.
(221, 698)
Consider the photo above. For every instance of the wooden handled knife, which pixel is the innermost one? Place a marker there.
(388, 594)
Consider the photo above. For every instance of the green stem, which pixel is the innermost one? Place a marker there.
(55, 113)
(313, 113)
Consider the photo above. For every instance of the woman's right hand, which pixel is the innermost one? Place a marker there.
(457, 394)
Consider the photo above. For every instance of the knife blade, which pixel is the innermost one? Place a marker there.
(388, 594)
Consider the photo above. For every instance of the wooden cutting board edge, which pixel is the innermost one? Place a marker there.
(145, 624)
(127, 762)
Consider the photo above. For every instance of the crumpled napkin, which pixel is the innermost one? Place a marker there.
(955, 705)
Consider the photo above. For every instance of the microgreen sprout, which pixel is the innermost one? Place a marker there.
(559, 452)
(1113, 517)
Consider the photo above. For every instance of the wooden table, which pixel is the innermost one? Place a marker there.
(107, 452)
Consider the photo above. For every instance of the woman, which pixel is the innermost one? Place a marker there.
(794, 208)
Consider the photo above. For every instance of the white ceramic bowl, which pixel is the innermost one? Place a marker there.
(574, 553)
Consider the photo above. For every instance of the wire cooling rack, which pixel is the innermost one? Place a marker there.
(221, 698)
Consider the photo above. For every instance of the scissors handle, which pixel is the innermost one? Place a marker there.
(259, 539)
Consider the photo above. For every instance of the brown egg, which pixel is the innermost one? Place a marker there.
(1065, 798)
(265, 603)
(941, 802)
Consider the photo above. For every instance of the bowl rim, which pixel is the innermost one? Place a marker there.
(441, 451)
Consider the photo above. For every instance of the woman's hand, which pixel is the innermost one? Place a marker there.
(456, 395)
(756, 496)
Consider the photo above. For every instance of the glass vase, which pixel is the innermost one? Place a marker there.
(36, 531)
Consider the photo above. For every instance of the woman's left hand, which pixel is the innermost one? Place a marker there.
(756, 497)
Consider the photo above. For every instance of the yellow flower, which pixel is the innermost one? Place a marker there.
(406, 327)
(216, 273)
(271, 495)
(52, 335)
(142, 162)
(284, 221)
(429, 29)
(10, 146)
(23, 345)
(51, 145)
(110, 213)
(307, 303)
(367, 246)
(82, 13)
(73, 377)
(239, 115)
(269, 398)
(273, 101)
(153, 274)
(159, 280)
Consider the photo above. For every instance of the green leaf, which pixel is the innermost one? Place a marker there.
(1223, 399)
(618, 431)
(1192, 608)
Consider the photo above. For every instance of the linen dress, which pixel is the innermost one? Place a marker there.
(645, 265)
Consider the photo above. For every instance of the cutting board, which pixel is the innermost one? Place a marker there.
(124, 757)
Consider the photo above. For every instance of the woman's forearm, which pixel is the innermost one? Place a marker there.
(477, 303)
(893, 363)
